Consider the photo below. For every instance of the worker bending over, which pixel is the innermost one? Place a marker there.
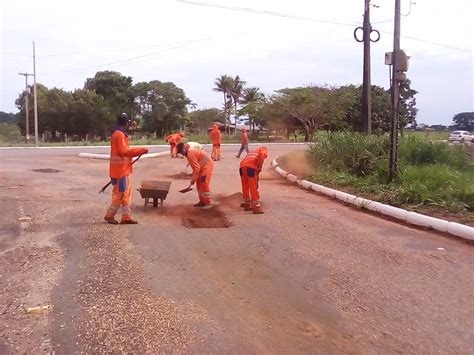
(192, 146)
(174, 139)
(216, 140)
(250, 168)
(120, 172)
(202, 167)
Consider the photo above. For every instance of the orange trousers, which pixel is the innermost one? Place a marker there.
(249, 180)
(203, 183)
(173, 150)
(216, 152)
(121, 196)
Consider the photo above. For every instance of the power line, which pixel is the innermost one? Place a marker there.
(265, 12)
(279, 14)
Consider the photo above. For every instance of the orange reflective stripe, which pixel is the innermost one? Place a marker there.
(203, 160)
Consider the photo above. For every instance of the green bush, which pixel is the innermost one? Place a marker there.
(10, 133)
(350, 152)
(430, 173)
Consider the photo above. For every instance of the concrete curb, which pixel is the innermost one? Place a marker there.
(151, 146)
(453, 228)
(107, 156)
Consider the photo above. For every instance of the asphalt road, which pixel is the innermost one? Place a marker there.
(311, 275)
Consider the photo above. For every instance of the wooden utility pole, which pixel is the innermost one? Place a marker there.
(27, 90)
(395, 93)
(366, 82)
(35, 97)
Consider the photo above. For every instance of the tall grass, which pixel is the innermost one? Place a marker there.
(430, 173)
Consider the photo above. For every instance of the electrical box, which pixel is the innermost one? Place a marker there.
(402, 60)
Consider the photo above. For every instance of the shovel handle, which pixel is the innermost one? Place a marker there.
(107, 185)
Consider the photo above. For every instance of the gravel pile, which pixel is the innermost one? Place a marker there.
(120, 313)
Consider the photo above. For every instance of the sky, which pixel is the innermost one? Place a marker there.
(271, 44)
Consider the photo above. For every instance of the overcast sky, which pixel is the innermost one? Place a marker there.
(192, 42)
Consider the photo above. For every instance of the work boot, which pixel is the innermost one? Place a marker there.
(199, 204)
(258, 210)
(246, 206)
(129, 221)
(111, 220)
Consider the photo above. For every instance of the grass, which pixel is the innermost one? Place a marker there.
(16, 140)
(432, 175)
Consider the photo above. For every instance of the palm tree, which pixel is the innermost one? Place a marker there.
(223, 84)
(236, 89)
(251, 97)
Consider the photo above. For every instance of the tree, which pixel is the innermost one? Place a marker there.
(115, 88)
(202, 119)
(57, 111)
(223, 84)
(236, 89)
(88, 114)
(8, 117)
(464, 121)
(314, 106)
(253, 99)
(408, 110)
(163, 106)
(42, 94)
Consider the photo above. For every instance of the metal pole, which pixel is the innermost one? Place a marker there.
(35, 96)
(27, 121)
(366, 84)
(393, 158)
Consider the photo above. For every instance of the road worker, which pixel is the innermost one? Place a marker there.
(250, 168)
(174, 139)
(245, 143)
(202, 167)
(120, 172)
(216, 140)
(192, 146)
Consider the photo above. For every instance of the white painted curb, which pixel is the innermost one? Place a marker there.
(107, 156)
(456, 229)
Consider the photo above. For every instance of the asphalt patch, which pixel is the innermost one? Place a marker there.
(47, 170)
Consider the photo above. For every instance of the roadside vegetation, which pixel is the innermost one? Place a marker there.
(432, 175)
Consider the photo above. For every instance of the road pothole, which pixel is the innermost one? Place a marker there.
(47, 170)
(211, 218)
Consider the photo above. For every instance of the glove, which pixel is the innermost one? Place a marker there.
(144, 151)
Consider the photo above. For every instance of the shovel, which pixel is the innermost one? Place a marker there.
(187, 189)
(105, 186)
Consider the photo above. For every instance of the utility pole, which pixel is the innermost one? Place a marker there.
(366, 83)
(27, 91)
(395, 93)
(35, 97)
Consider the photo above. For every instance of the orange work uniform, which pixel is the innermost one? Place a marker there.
(216, 140)
(245, 143)
(250, 168)
(202, 167)
(174, 139)
(120, 170)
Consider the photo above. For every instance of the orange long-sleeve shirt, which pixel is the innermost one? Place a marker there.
(245, 137)
(255, 159)
(216, 136)
(198, 159)
(121, 155)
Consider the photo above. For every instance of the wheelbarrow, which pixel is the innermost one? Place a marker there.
(156, 190)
